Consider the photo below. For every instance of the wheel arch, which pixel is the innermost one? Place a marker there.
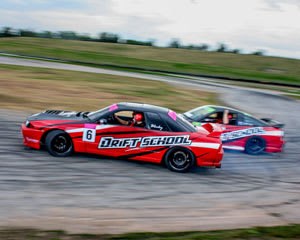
(264, 141)
(65, 143)
(178, 147)
(44, 136)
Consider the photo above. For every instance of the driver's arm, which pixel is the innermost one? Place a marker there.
(123, 122)
(225, 117)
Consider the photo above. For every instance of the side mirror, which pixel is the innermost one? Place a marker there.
(103, 121)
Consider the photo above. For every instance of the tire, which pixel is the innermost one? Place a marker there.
(255, 145)
(59, 143)
(179, 159)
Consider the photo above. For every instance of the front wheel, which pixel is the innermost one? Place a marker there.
(59, 143)
(179, 160)
(255, 145)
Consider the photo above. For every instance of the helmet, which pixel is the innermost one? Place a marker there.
(138, 117)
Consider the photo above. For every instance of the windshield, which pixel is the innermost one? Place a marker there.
(198, 113)
(96, 114)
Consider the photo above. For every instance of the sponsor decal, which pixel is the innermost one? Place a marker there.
(199, 124)
(89, 133)
(166, 141)
(242, 133)
(172, 115)
(157, 141)
(209, 109)
(91, 126)
(111, 142)
(156, 126)
(113, 107)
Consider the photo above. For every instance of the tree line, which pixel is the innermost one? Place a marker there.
(71, 35)
(113, 38)
(175, 43)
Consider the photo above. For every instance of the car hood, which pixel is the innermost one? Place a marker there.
(58, 115)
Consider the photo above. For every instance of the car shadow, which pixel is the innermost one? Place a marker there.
(88, 157)
(244, 153)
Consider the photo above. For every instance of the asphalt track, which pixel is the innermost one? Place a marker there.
(84, 193)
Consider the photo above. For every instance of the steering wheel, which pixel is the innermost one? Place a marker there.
(111, 118)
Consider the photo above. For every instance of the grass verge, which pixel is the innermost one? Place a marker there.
(268, 69)
(290, 232)
(29, 88)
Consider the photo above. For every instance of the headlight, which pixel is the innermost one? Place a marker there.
(27, 124)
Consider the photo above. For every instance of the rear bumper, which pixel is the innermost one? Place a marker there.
(31, 137)
(219, 156)
(276, 146)
(212, 159)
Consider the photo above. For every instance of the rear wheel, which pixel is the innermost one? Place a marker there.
(179, 160)
(255, 145)
(59, 143)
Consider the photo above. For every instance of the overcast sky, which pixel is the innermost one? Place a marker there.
(249, 25)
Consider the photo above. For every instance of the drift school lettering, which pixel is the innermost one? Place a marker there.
(110, 142)
(242, 133)
(166, 141)
(157, 141)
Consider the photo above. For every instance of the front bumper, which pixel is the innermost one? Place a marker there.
(31, 137)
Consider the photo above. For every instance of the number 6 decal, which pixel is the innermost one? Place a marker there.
(89, 135)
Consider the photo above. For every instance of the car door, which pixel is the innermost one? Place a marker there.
(231, 131)
(235, 136)
(111, 138)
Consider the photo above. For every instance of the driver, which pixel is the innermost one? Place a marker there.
(225, 118)
(137, 120)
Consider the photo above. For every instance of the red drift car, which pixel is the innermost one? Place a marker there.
(243, 132)
(128, 131)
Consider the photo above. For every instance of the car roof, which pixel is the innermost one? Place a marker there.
(143, 107)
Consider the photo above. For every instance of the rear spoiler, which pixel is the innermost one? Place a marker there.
(273, 123)
(215, 130)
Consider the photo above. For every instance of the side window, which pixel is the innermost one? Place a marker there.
(122, 115)
(126, 115)
(174, 126)
(248, 121)
(232, 118)
(217, 117)
(127, 118)
(155, 122)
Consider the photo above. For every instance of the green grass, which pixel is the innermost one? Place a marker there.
(268, 69)
(31, 88)
(290, 232)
